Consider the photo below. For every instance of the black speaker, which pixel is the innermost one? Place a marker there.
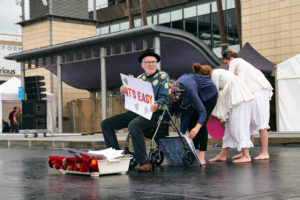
(34, 114)
(40, 123)
(33, 87)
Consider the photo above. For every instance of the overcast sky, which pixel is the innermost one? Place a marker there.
(9, 16)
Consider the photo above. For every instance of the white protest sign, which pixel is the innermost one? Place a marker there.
(139, 97)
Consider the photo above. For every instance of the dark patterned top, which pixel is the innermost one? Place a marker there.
(161, 87)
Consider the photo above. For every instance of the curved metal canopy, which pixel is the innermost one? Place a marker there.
(81, 58)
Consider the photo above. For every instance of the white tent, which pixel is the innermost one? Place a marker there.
(288, 94)
(9, 98)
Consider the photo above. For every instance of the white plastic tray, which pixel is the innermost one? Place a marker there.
(115, 166)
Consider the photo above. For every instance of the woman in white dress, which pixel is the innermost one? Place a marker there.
(260, 87)
(233, 107)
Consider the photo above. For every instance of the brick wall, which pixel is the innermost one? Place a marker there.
(37, 35)
(272, 27)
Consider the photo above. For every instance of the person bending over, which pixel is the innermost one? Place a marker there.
(200, 97)
(234, 108)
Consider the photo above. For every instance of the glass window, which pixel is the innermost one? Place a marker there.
(204, 28)
(137, 23)
(228, 4)
(177, 24)
(203, 9)
(166, 24)
(191, 25)
(176, 15)
(164, 18)
(98, 31)
(124, 26)
(154, 18)
(149, 20)
(231, 27)
(215, 30)
(214, 7)
(104, 30)
(190, 12)
(114, 28)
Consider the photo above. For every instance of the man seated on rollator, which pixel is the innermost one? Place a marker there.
(138, 125)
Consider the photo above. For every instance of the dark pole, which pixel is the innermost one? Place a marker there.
(130, 15)
(239, 20)
(143, 13)
(222, 25)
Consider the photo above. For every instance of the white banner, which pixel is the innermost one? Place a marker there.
(139, 97)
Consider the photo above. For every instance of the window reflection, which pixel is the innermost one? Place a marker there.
(200, 19)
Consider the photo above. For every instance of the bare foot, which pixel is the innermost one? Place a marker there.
(238, 156)
(242, 160)
(201, 157)
(218, 158)
(262, 156)
(203, 162)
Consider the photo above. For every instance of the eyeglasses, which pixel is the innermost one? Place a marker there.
(149, 62)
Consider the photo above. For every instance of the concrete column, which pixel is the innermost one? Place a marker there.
(23, 12)
(103, 81)
(59, 93)
(94, 10)
(50, 4)
(156, 46)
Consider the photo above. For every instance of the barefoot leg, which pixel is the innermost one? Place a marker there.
(264, 155)
(237, 156)
(245, 157)
(221, 157)
(241, 154)
(201, 156)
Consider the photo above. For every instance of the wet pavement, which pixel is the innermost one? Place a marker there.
(25, 174)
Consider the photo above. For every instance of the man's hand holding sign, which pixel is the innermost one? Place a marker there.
(139, 97)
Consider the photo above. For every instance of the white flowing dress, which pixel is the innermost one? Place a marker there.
(231, 93)
(257, 83)
(234, 106)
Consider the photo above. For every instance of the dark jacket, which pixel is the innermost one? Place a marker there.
(198, 89)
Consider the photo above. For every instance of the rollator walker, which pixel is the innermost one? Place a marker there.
(155, 134)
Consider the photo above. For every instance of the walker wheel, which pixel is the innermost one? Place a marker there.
(45, 134)
(156, 157)
(25, 135)
(188, 159)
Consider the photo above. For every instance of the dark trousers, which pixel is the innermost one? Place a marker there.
(16, 128)
(136, 127)
(200, 141)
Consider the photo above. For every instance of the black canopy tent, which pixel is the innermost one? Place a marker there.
(252, 56)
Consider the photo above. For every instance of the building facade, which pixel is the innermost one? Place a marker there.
(271, 27)
(199, 18)
(9, 44)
